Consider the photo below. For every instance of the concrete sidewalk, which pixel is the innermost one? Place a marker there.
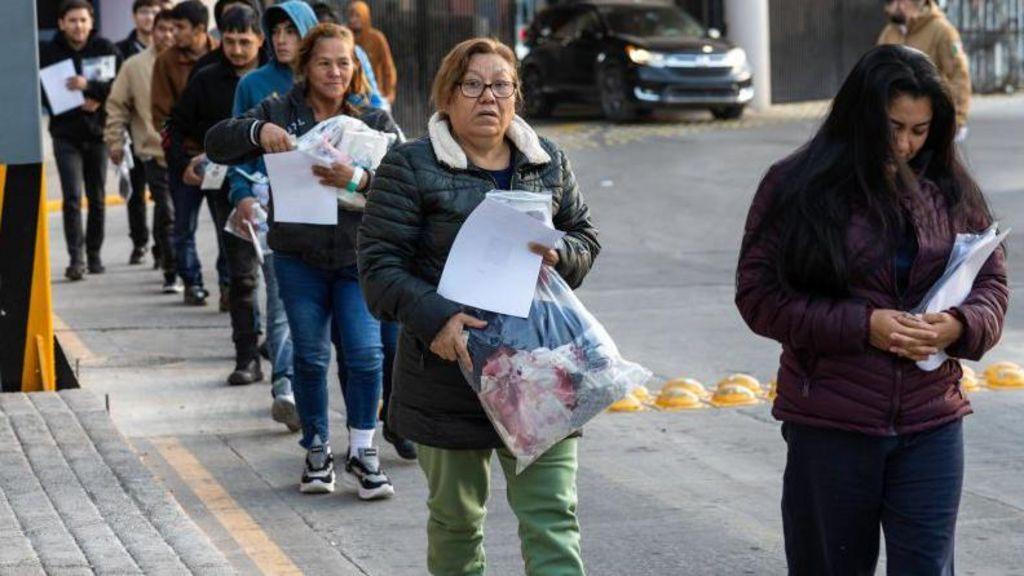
(76, 499)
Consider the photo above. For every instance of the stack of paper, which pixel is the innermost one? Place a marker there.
(969, 254)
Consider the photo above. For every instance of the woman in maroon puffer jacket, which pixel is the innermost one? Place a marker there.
(843, 238)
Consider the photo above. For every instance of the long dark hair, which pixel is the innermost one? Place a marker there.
(850, 164)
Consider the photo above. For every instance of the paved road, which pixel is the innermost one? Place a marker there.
(661, 493)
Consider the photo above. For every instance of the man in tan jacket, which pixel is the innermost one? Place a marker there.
(129, 112)
(921, 24)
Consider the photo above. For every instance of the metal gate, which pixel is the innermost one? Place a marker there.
(814, 43)
(993, 36)
(421, 32)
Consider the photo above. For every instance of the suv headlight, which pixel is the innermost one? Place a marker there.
(643, 57)
(736, 58)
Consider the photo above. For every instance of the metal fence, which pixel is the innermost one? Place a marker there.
(993, 36)
(421, 32)
(814, 43)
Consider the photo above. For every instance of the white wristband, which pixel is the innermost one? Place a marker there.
(357, 179)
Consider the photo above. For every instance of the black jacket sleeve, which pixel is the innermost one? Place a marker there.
(580, 245)
(228, 142)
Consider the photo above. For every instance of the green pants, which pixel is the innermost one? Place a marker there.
(543, 499)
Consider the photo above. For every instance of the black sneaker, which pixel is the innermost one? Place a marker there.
(246, 373)
(364, 473)
(195, 295)
(406, 449)
(96, 266)
(75, 272)
(136, 257)
(318, 475)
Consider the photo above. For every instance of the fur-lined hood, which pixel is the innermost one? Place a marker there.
(450, 154)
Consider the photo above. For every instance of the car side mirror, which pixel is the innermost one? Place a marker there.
(714, 33)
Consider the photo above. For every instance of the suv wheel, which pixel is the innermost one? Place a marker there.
(536, 103)
(727, 112)
(615, 102)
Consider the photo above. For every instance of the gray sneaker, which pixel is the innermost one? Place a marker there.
(283, 409)
(363, 472)
(318, 473)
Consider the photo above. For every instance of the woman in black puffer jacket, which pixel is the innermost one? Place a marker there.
(421, 195)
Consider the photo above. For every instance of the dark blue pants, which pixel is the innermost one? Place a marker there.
(187, 202)
(840, 487)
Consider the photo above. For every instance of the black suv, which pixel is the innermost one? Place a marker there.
(631, 57)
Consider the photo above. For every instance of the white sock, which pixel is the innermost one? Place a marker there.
(359, 439)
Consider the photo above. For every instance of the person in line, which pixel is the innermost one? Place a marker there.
(220, 7)
(922, 24)
(208, 99)
(315, 264)
(422, 193)
(77, 134)
(284, 26)
(844, 238)
(377, 48)
(405, 448)
(170, 76)
(128, 108)
(139, 40)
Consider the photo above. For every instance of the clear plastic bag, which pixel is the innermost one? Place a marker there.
(346, 139)
(542, 378)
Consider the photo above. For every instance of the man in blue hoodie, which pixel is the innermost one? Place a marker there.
(284, 25)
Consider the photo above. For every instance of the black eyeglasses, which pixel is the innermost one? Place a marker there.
(500, 89)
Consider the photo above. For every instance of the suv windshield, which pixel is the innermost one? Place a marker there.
(656, 21)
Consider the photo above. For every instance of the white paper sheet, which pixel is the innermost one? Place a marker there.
(213, 176)
(54, 79)
(298, 195)
(969, 254)
(99, 69)
(490, 265)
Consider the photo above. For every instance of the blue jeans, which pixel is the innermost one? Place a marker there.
(389, 338)
(187, 200)
(313, 300)
(840, 487)
(279, 338)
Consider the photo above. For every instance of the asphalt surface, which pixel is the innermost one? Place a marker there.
(660, 493)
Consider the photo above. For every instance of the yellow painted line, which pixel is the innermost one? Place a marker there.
(73, 345)
(110, 200)
(267, 556)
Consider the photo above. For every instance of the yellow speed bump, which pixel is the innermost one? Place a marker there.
(745, 380)
(994, 369)
(691, 385)
(642, 394)
(1008, 378)
(729, 394)
(631, 402)
(969, 380)
(677, 399)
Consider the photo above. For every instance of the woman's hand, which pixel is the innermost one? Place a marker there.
(245, 211)
(78, 83)
(274, 139)
(449, 343)
(947, 327)
(903, 334)
(338, 175)
(190, 176)
(550, 255)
